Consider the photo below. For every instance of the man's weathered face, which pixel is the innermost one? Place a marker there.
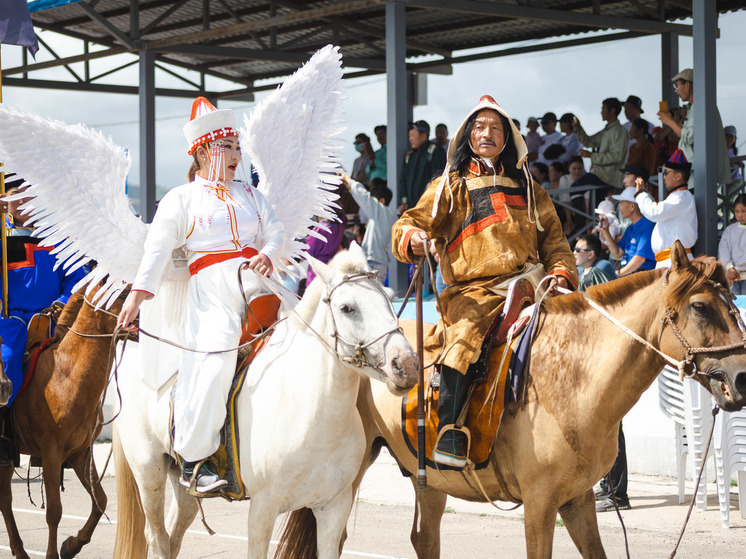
(631, 112)
(683, 89)
(416, 138)
(672, 178)
(584, 256)
(626, 209)
(606, 112)
(487, 135)
(19, 219)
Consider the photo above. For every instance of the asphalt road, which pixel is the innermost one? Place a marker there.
(381, 520)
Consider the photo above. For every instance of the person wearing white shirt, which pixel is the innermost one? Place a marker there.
(377, 239)
(676, 216)
(551, 136)
(569, 141)
(732, 249)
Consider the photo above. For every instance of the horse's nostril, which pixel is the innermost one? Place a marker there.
(740, 383)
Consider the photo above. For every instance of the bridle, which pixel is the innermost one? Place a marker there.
(361, 357)
(670, 319)
(686, 367)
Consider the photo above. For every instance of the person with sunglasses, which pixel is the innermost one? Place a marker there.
(593, 268)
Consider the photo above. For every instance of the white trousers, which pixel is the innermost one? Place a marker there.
(213, 315)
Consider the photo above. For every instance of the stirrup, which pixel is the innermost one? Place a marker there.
(440, 457)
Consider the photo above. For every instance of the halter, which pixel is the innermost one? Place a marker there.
(686, 367)
(361, 357)
(670, 318)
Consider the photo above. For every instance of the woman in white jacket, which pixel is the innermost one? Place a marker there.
(222, 223)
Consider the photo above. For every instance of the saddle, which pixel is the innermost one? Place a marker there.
(496, 378)
(260, 316)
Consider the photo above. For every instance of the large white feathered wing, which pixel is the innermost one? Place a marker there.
(291, 139)
(79, 206)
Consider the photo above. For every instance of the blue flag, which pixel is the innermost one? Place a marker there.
(15, 25)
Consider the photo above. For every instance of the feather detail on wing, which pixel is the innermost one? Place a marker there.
(79, 204)
(291, 138)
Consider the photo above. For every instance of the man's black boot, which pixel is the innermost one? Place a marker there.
(452, 444)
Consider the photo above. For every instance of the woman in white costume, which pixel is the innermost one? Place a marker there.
(222, 222)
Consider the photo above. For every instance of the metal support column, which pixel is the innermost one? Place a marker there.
(669, 67)
(147, 134)
(396, 108)
(704, 166)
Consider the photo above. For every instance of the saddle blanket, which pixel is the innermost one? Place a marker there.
(485, 408)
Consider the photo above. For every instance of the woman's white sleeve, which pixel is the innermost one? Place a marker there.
(166, 233)
(273, 230)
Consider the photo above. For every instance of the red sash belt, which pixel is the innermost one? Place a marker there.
(214, 258)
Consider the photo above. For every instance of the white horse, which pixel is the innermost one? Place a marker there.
(302, 439)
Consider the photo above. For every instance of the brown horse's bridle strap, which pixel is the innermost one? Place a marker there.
(686, 367)
(670, 318)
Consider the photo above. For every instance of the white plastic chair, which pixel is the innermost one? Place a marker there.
(730, 457)
(698, 404)
(671, 402)
(688, 404)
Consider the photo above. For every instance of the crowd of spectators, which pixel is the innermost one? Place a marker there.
(604, 183)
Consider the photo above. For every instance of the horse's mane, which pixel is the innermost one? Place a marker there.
(345, 262)
(703, 269)
(70, 311)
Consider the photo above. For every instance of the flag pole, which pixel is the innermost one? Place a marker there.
(3, 218)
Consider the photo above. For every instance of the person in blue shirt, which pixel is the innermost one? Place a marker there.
(34, 286)
(634, 248)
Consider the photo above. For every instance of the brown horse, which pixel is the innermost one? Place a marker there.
(56, 417)
(585, 375)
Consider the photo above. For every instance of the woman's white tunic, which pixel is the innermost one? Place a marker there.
(208, 220)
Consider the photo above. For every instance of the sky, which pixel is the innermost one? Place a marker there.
(573, 80)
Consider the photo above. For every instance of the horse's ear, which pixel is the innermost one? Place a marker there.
(679, 258)
(319, 268)
(357, 251)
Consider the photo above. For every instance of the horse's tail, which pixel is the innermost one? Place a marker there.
(130, 541)
(298, 540)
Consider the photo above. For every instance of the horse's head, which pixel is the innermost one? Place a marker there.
(6, 386)
(703, 325)
(364, 327)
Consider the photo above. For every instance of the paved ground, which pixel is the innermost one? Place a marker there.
(381, 519)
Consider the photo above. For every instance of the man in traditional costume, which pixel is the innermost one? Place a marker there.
(490, 224)
(222, 223)
(676, 216)
(37, 292)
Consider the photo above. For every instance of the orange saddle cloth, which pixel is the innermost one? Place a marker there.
(485, 409)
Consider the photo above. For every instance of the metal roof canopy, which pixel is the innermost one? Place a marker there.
(244, 41)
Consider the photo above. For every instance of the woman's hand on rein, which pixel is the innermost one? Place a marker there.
(261, 264)
(130, 308)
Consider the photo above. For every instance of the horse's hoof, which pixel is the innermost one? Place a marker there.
(65, 552)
